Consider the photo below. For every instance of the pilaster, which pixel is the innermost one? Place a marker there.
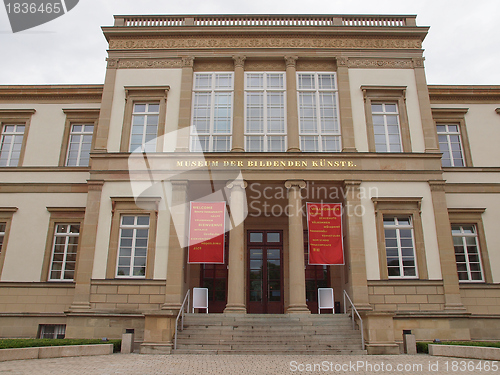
(291, 104)
(238, 142)
(185, 104)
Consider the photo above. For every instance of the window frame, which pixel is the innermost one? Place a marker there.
(6, 214)
(61, 215)
(454, 116)
(212, 90)
(473, 216)
(89, 116)
(265, 90)
(401, 206)
(386, 95)
(319, 133)
(17, 117)
(126, 206)
(143, 95)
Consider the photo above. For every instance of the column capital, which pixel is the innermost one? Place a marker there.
(437, 185)
(95, 185)
(352, 183)
(289, 184)
(291, 61)
(239, 61)
(112, 63)
(187, 61)
(179, 184)
(418, 62)
(241, 184)
(342, 61)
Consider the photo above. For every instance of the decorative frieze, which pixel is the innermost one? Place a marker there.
(149, 64)
(380, 63)
(251, 42)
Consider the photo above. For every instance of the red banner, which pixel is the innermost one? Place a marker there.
(206, 232)
(324, 222)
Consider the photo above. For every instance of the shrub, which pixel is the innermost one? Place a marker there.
(27, 343)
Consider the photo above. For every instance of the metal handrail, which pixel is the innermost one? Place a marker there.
(181, 315)
(353, 322)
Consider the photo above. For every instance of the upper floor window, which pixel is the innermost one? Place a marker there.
(144, 127)
(6, 214)
(452, 136)
(14, 126)
(450, 144)
(79, 135)
(80, 144)
(212, 112)
(63, 262)
(265, 112)
(11, 144)
(387, 124)
(386, 127)
(319, 125)
(144, 119)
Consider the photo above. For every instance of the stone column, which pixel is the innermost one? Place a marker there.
(101, 139)
(175, 284)
(452, 298)
(186, 98)
(428, 126)
(296, 248)
(238, 143)
(292, 113)
(355, 246)
(236, 271)
(345, 110)
(85, 260)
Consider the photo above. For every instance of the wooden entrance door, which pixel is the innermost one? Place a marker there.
(265, 272)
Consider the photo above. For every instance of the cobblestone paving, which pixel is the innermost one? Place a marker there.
(124, 364)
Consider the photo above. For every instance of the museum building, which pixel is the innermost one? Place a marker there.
(266, 113)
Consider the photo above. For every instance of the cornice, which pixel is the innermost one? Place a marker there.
(205, 41)
(449, 93)
(51, 92)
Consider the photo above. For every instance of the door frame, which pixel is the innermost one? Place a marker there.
(264, 245)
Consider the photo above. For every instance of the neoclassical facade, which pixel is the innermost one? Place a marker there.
(265, 113)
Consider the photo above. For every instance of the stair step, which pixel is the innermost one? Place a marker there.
(285, 352)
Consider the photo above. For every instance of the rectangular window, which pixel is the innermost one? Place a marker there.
(265, 119)
(63, 261)
(52, 331)
(11, 145)
(386, 127)
(400, 247)
(133, 246)
(319, 124)
(467, 253)
(80, 143)
(450, 144)
(212, 112)
(144, 127)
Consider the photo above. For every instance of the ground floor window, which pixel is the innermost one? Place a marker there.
(467, 253)
(52, 331)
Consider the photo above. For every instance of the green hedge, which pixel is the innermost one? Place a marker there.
(27, 343)
(423, 347)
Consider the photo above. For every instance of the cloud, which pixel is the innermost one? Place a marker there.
(459, 49)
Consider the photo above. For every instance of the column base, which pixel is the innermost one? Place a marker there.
(363, 307)
(172, 307)
(235, 309)
(293, 149)
(237, 149)
(349, 149)
(298, 309)
(77, 306)
(156, 348)
(455, 307)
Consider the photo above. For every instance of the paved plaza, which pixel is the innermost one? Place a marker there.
(246, 364)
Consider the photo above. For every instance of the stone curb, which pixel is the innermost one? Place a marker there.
(55, 351)
(477, 352)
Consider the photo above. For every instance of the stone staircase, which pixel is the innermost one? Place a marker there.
(268, 334)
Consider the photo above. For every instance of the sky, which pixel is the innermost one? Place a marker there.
(462, 47)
